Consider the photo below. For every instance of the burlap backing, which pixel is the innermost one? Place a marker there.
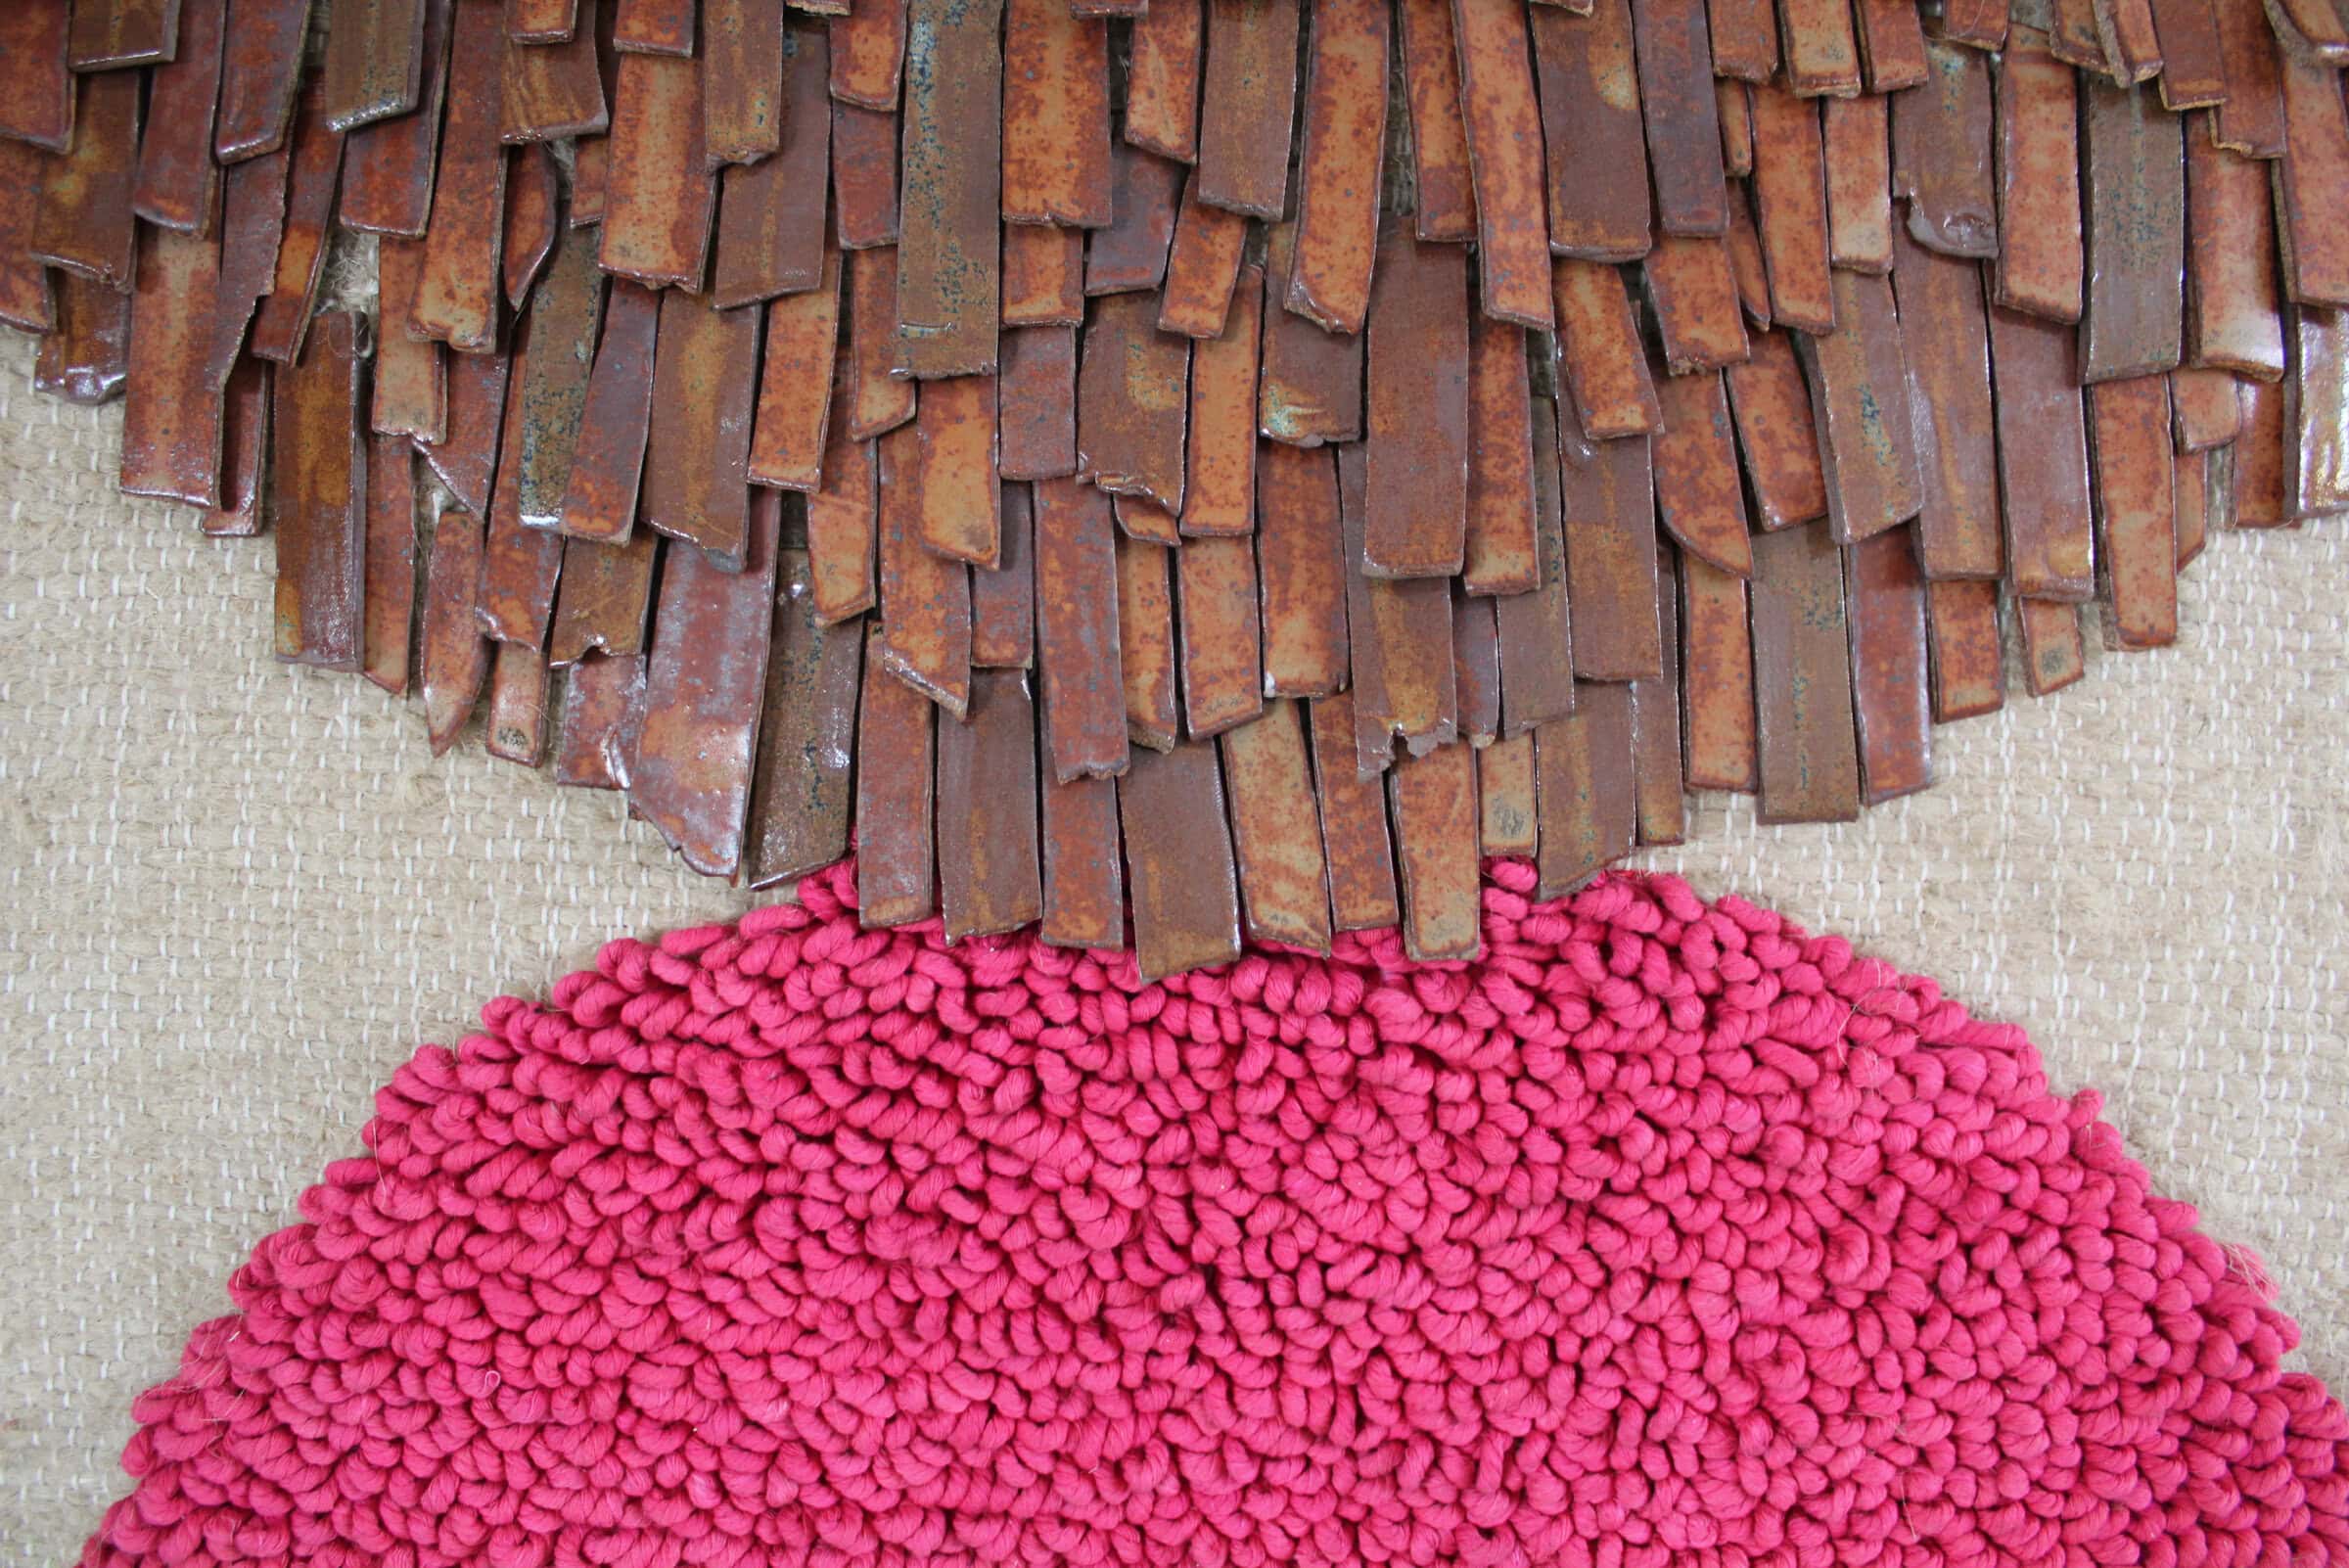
(240, 894)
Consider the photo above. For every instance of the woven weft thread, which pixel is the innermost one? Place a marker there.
(1665, 1232)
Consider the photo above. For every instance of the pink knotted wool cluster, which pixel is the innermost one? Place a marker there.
(1666, 1234)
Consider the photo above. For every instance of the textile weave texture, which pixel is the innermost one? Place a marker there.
(202, 849)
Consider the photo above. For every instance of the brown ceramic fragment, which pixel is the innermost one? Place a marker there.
(1776, 435)
(1218, 497)
(1043, 276)
(2233, 321)
(1419, 435)
(868, 53)
(1506, 823)
(1398, 634)
(411, 395)
(25, 301)
(566, 311)
(390, 572)
(1943, 137)
(1745, 39)
(789, 434)
(84, 224)
(1884, 597)
(1434, 799)
(1662, 807)
(1736, 128)
(1084, 875)
(599, 495)
(543, 22)
(1822, 49)
(605, 598)
(659, 197)
(2311, 186)
(956, 431)
(695, 484)
(2316, 413)
(1202, 267)
(2250, 121)
(1947, 338)
(2077, 32)
(1223, 668)
(171, 411)
(1309, 382)
(1599, 342)
(388, 166)
(2134, 183)
(85, 355)
(1892, 45)
(1717, 679)
(1133, 396)
(2136, 516)
(1431, 73)
(318, 500)
(457, 292)
(1181, 883)
(453, 657)
(1475, 668)
(1505, 155)
(771, 218)
(1860, 391)
(1147, 641)
(1810, 767)
(178, 184)
(1344, 126)
(1276, 830)
(467, 459)
(653, 28)
(1035, 411)
(1587, 793)
(1610, 532)
(1353, 823)
(243, 502)
(36, 95)
(1693, 295)
(1747, 265)
(520, 566)
(1535, 629)
(948, 255)
(988, 870)
(2205, 408)
(1790, 205)
(1684, 126)
(1250, 84)
(1698, 498)
(516, 727)
(744, 87)
(2042, 458)
(1162, 80)
(705, 684)
(882, 401)
(864, 177)
(2190, 500)
(1961, 628)
(2040, 260)
(1858, 163)
(1055, 116)
(554, 90)
(925, 597)
(2053, 653)
(2193, 73)
(313, 166)
(1499, 553)
(374, 66)
(842, 518)
(1003, 599)
(1131, 253)
(2260, 480)
(895, 867)
(1300, 572)
(259, 74)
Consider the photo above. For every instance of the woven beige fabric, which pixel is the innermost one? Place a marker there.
(240, 895)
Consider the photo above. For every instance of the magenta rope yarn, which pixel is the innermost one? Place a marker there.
(1665, 1233)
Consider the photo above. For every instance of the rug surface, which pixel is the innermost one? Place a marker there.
(1664, 1224)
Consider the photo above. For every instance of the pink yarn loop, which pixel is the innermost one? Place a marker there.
(1664, 1234)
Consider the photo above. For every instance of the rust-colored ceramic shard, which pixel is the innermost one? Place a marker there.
(85, 355)
(1345, 127)
(389, 602)
(543, 22)
(1203, 265)
(1535, 629)
(1947, 338)
(259, 74)
(925, 597)
(1355, 842)
(1892, 45)
(1884, 597)
(1809, 760)
(1250, 83)
(605, 599)
(1716, 680)
(1606, 369)
(896, 868)
(1218, 494)
(1860, 391)
(1223, 666)
(1776, 435)
(603, 712)
(705, 684)
(1962, 632)
(864, 177)
(1300, 572)
(1398, 634)
(1475, 668)
(1499, 553)
(1431, 79)
(1506, 823)
(566, 311)
(1077, 629)
(1683, 125)
(655, 28)
(2312, 185)
(1145, 641)
(988, 866)
(745, 92)
(2233, 319)
(2307, 30)
(1035, 412)
(949, 252)
(1181, 883)
(553, 91)
(1699, 499)
(868, 53)
(1745, 38)
(520, 567)
(25, 301)
(515, 730)
(1043, 276)
(36, 96)
(1055, 116)
(314, 166)
(178, 184)
(467, 460)
(1434, 799)
(1003, 600)
(956, 432)
(2053, 653)
(1085, 874)
(2260, 479)
(2042, 458)
(789, 431)
(1505, 155)
(1942, 160)
(1162, 80)
(84, 224)
(1608, 506)
(244, 503)
(457, 292)
(657, 195)
(1859, 160)
(806, 735)
(452, 660)
(2041, 256)
(1662, 806)
(1309, 382)
(1131, 253)
(2316, 413)
(1693, 295)
(599, 493)
(171, 408)
(1790, 205)
(1276, 829)
(388, 166)
(2190, 500)
(1736, 130)
(1417, 440)
(1821, 47)
(374, 64)
(2134, 188)
(1748, 268)
(1586, 791)
(2193, 73)
(2136, 516)
(882, 401)
(113, 34)
(318, 497)
(2134, 46)
(695, 484)
(842, 518)
(2075, 39)
(770, 217)
(1132, 397)
(2204, 408)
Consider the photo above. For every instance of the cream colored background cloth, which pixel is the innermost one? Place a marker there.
(237, 895)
